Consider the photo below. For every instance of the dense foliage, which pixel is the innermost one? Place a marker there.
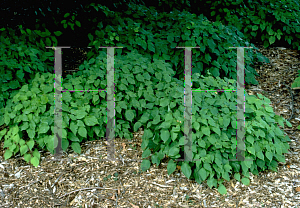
(158, 35)
(267, 22)
(23, 53)
(149, 93)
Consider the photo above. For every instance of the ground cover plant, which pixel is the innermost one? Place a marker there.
(264, 21)
(149, 95)
(152, 99)
(23, 53)
(157, 35)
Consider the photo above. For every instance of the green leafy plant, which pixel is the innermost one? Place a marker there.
(296, 83)
(15, 144)
(264, 21)
(71, 21)
(214, 136)
(99, 7)
(148, 95)
(152, 99)
(296, 86)
(32, 109)
(84, 113)
(23, 53)
(29, 116)
(157, 36)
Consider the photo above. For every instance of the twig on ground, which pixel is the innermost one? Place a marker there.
(85, 189)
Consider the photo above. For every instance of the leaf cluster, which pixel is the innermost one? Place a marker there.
(214, 136)
(21, 57)
(157, 36)
(264, 21)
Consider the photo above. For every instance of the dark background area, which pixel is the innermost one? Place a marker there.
(34, 14)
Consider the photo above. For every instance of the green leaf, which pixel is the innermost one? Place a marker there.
(64, 143)
(30, 144)
(73, 127)
(82, 132)
(76, 147)
(31, 133)
(20, 74)
(251, 150)
(36, 154)
(237, 176)
(18, 107)
(167, 78)
(95, 99)
(146, 153)
(90, 120)
(13, 147)
(151, 46)
(211, 44)
(67, 96)
(196, 126)
(28, 31)
(43, 128)
(255, 27)
(23, 149)
(57, 33)
(145, 165)
(6, 119)
(66, 15)
(2, 133)
(78, 23)
(248, 162)
(226, 121)
(80, 114)
(211, 182)
(155, 159)
(266, 43)
(207, 57)
(250, 139)
(129, 114)
(212, 139)
(260, 155)
(269, 155)
(164, 102)
(296, 83)
(269, 30)
(173, 151)
(222, 190)
(136, 126)
(205, 130)
(217, 130)
(35, 161)
(90, 37)
(27, 157)
(186, 169)
(15, 130)
(74, 138)
(203, 174)
(7, 154)
(171, 167)
(245, 181)
(165, 134)
(272, 40)
(174, 136)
